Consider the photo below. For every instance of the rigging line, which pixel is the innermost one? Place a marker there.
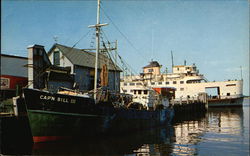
(105, 36)
(81, 38)
(126, 38)
(111, 57)
(131, 69)
(126, 64)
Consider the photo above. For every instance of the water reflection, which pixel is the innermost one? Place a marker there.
(224, 131)
(221, 131)
(135, 143)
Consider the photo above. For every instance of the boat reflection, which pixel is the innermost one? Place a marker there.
(133, 143)
(191, 136)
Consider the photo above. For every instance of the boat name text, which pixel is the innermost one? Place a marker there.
(58, 99)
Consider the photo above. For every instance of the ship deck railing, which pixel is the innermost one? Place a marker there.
(218, 97)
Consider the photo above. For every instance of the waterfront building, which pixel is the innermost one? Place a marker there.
(71, 68)
(187, 81)
(13, 74)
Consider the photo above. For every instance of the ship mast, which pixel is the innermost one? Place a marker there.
(172, 58)
(97, 28)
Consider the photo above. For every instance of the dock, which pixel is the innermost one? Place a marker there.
(15, 134)
(190, 108)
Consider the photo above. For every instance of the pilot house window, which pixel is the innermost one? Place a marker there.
(139, 91)
(150, 70)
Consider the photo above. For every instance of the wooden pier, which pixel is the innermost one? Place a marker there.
(190, 109)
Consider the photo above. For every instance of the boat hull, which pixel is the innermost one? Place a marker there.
(51, 126)
(51, 120)
(233, 102)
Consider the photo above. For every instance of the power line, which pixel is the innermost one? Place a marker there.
(126, 38)
(122, 61)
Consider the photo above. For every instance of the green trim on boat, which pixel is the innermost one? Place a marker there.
(60, 113)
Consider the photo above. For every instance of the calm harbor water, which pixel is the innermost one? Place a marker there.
(221, 131)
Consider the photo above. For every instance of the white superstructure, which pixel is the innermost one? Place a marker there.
(185, 78)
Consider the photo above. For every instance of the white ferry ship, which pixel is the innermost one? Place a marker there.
(188, 84)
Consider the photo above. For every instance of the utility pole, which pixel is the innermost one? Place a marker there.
(116, 43)
(241, 72)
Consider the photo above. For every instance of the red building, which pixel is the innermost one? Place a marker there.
(13, 73)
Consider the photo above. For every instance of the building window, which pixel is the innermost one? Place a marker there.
(125, 91)
(167, 82)
(228, 85)
(159, 83)
(174, 82)
(145, 92)
(150, 70)
(139, 91)
(132, 84)
(138, 84)
(56, 58)
(182, 89)
(181, 82)
(125, 84)
(152, 83)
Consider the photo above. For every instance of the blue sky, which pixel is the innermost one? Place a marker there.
(213, 34)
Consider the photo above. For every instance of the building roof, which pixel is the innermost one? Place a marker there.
(152, 64)
(83, 58)
(13, 56)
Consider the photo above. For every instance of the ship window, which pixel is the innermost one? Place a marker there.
(181, 82)
(132, 84)
(145, 92)
(182, 89)
(152, 83)
(159, 83)
(230, 85)
(56, 58)
(150, 70)
(174, 82)
(167, 82)
(139, 91)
